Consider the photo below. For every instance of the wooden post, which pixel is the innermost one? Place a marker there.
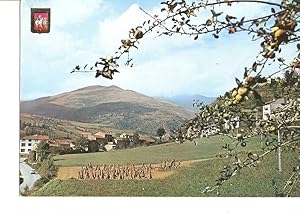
(279, 151)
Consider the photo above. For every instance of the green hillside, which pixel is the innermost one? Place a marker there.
(206, 148)
(187, 182)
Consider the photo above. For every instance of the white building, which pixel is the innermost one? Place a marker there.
(110, 146)
(28, 143)
(126, 135)
(233, 123)
(271, 106)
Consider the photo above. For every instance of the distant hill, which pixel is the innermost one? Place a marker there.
(110, 106)
(187, 101)
(59, 128)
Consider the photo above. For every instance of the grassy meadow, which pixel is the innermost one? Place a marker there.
(186, 181)
(206, 148)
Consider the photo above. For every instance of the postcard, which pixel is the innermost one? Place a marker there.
(157, 99)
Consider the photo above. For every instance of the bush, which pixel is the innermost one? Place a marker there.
(47, 169)
(40, 182)
(62, 150)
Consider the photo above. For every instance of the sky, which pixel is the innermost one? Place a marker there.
(84, 30)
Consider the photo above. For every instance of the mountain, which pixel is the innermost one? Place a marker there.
(187, 101)
(110, 106)
(59, 128)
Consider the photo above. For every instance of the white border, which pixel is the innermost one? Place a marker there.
(9, 126)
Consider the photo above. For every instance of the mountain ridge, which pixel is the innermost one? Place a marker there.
(110, 105)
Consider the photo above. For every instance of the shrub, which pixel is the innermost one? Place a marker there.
(47, 169)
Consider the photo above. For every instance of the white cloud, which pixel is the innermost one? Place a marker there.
(202, 70)
(112, 30)
(179, 65)
(68, 12)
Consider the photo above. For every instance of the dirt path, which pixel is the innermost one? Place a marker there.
(65, 173)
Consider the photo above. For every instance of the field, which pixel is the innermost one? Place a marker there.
(188, 181)
(206, 148)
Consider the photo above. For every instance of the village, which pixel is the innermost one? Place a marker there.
(98, 142)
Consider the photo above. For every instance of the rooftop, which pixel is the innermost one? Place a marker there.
(36, 137)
